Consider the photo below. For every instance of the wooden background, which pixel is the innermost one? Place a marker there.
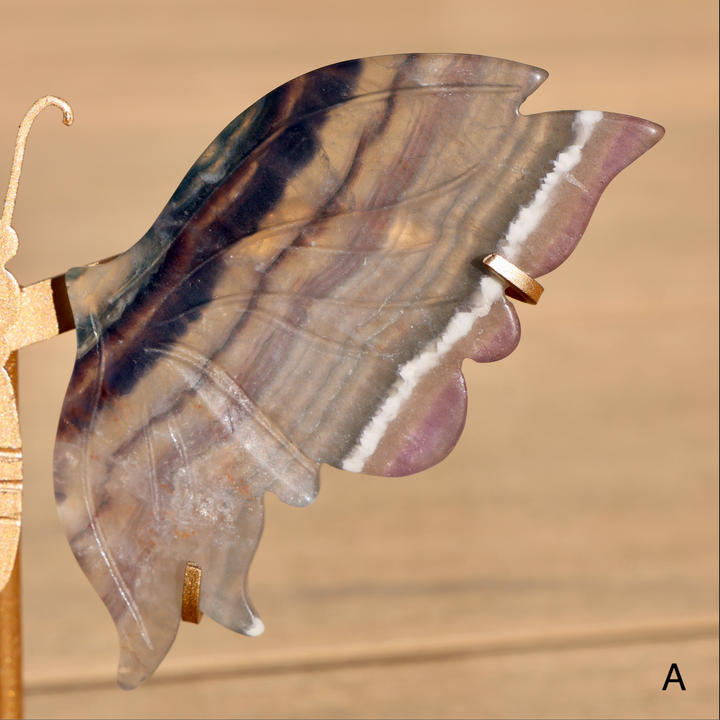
(566, 553)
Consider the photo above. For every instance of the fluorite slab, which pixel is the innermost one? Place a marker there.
(307, 296)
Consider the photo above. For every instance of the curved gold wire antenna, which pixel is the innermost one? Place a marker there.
(25, 126)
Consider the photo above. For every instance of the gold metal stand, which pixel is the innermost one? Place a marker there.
(11, 689)
(27, 315)
(191, 594)
(11, 693)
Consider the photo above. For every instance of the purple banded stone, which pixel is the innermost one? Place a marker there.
(307, 296)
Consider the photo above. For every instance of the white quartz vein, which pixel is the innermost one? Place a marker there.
(490, 290)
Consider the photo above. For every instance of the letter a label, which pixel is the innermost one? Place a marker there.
(677, 678)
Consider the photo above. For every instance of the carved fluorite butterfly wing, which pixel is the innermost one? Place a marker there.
(307, 296)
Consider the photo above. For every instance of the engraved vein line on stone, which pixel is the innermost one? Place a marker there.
(146, 274)
(384, 95)
(371, 97)
(410, 374)
(450, 249)
(348, 346)
(179, 443)
(433, 89)
(339, 392)
(457, 180)
(388, 96)
(361, 149)
(136, 281)
(214, 374)
(232, 299)
(154, 482)
(345, 347)
(526, 221)
(100, 540)
(438, 190)
(442, 189)
(166, 241)
(266, 233)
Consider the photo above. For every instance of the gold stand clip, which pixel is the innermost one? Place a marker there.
(519, 284)
(191, 594)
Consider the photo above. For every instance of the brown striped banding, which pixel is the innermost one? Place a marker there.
(308, 295)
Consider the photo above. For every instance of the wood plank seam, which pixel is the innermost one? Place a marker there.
(395, 652)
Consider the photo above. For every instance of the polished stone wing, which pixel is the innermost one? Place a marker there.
(307, 296)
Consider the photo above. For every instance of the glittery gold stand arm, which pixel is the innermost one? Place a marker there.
(27, 315)
(11, 690)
